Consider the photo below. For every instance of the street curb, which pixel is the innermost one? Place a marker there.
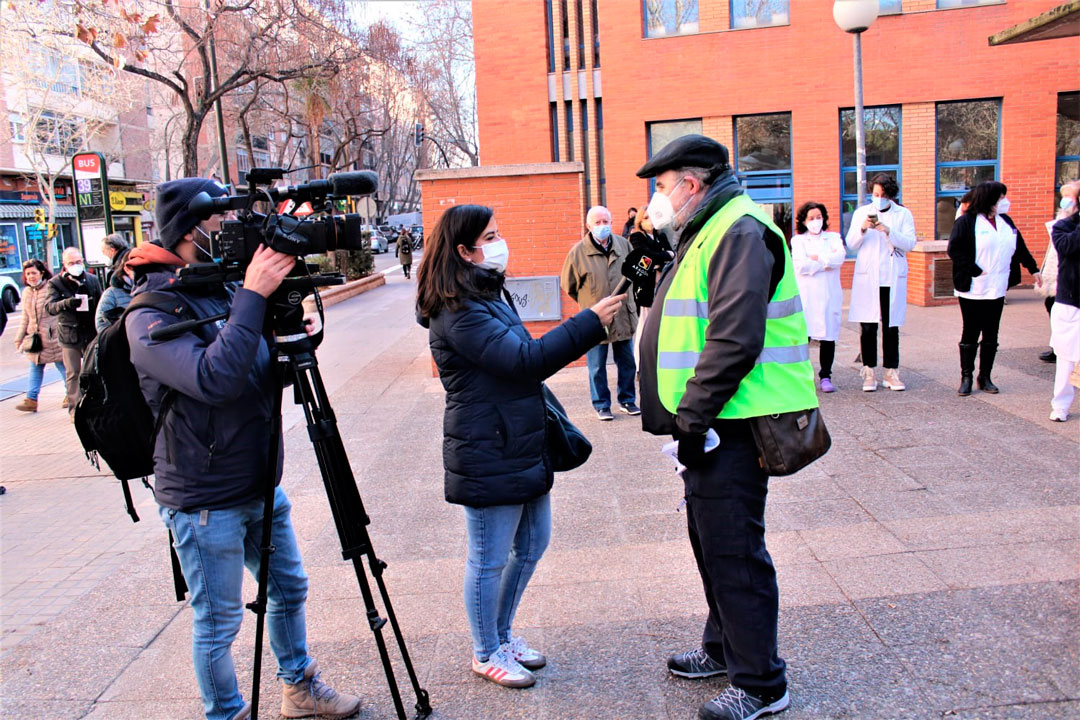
(341, 293)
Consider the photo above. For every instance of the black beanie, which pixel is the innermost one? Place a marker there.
(174, 220)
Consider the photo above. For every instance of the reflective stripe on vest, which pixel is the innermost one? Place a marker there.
(782, 379)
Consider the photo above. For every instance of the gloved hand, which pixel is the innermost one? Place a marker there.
(691, 449)
(72, 303)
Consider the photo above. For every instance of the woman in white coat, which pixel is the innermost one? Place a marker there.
(817, 256)
(882, 233)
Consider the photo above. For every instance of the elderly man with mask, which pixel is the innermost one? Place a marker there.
(591, 271)
(725, 342)
(73, 297)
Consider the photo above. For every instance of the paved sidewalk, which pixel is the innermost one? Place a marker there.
(927, 565)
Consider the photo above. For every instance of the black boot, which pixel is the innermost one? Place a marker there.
(967, 367)
(987, 353)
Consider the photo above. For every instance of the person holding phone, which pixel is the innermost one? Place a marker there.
(882, 233)
(72, 296)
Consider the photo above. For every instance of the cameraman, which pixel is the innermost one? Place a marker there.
(210, 457)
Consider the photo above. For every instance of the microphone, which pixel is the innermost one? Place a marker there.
(363, 182)
(638, 268)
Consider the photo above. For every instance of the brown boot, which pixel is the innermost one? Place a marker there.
(27, 405)
(311, 696)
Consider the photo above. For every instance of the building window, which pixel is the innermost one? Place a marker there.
(18, 127)
(1067, 165)
(670, 17)
(9, 248)
(890, 7)
(946, 4)
(882, 126)
(565, 34)
(554, 132)
(58, 135)
(758, 13)
(243, 165)
(600, 150)
(569, 105)
(659, 134)
(549, 18)
(262, 158)
(595, 35)
(585, 149)
(763, 163)
(968, 136)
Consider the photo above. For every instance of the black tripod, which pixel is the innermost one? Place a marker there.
(296, 356)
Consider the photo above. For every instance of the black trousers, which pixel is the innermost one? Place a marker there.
(828, 354)
(725, 513)
(890, 338)
(981, 317)
(1048, 303)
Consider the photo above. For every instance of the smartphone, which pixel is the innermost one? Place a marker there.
(872, 217)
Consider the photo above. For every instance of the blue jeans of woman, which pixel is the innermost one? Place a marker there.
(214, 547)
(505, 543)
(37, 374)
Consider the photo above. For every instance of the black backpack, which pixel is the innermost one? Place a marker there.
(112, 418)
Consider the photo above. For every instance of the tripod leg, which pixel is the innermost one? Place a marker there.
(351, 519)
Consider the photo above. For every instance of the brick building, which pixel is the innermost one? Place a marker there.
(608, 82)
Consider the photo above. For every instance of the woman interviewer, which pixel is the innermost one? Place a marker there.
(494, 425)
(986, 250)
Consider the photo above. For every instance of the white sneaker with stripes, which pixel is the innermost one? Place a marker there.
(504, 670)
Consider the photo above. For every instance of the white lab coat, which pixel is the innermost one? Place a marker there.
(880, 255)
(819, 281)
(995, 246)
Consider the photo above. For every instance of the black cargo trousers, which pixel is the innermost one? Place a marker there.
(725, 512)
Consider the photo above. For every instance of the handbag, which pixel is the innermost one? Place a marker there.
(567, 447)
(790, 441)
(31, 343)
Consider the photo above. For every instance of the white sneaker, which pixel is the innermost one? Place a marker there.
(529, 658)
(503, 670)
(892, 379)
(1059, 415)
(869, 383)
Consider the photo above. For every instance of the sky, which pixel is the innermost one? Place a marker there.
(394, 12)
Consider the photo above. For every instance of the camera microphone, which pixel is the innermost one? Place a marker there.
(363, 182)
(637, 269)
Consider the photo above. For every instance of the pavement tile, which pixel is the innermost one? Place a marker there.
(859, 540)
(1042, 710)
(809, 584)
(1005, 564)
(881, 575)
(988, 528)
(813, 514)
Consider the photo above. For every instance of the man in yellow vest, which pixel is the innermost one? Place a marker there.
(728, 344)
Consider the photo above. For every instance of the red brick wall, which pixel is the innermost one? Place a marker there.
(914, 59)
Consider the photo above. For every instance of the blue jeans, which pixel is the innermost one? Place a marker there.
(624, 362)
(214, 547)
(505, 543)
(37, 374)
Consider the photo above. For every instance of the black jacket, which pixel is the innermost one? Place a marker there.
(494, 426)
(75, 328)
(1066, 238)
(962, 253)
(744, 272)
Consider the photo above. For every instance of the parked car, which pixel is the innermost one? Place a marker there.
(387, 231)
(9, 292)
(418, 236)
(378, 243)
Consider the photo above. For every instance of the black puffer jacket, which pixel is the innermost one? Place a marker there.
(494, 425)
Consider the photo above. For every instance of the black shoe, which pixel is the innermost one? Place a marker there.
(986, 386)
(1048, 356)
(695, 664)
(736, 704)
(604, 414)
(630, 408)
(965, 386)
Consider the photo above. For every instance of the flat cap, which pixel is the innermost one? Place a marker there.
(695, 151)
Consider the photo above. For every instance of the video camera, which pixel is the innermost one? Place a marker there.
(234, 245)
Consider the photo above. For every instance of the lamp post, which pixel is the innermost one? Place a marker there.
(855, 16)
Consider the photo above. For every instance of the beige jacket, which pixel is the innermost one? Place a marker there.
(588, 275)
(36, 319)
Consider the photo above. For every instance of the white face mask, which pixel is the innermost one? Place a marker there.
(881, 203)
(1003, 205)
(496, 256)
(814, 226)
(661, 212)
(75, 270)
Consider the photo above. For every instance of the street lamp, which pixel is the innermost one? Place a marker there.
(855, 16)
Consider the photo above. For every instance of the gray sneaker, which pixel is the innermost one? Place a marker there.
(737, 704)
(695, 664)
(604, 414)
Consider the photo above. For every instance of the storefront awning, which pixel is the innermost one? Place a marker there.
(1061, 22)
(19, 211)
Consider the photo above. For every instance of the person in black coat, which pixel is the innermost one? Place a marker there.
(72, 296)
(645, 237)
(494, 427)
(987, 251)
(1065, 315)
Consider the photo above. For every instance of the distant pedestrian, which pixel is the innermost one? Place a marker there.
(631, 219)
(37, 322)
(403, 251)
(73, 297)
(1065, 316)
(818, 256)
(986, 250)
(117, 296)
(494, 441)
(882, 233)
(592, 270)
(114, 247)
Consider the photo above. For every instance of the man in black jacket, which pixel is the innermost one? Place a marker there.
(725, 487)
(73, 297)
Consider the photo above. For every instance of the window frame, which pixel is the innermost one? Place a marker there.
(645, 24)
(649, 140)
(1060, 159)
(731, 18)
(977, 3)
(19, 250)
(938, 165)
(787, 191)
(871, 170)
